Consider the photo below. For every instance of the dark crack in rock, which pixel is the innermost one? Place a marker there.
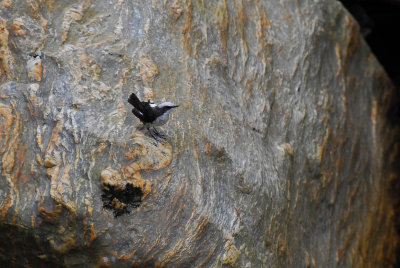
(122, 201)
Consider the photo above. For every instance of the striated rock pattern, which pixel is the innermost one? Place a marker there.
(280, 154)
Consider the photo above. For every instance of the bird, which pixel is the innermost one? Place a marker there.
(150, 114)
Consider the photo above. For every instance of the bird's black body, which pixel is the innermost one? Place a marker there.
(144, 111)
(151, 114)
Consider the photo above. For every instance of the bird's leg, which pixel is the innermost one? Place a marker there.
(156, 131)
(153, 134)
(159, 134)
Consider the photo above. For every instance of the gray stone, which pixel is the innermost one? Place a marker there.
(280, 154)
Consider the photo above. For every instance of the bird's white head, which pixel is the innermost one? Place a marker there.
(167, 104)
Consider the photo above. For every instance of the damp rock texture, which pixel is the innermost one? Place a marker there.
(280, 154)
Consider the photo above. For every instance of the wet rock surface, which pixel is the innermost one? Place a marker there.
(280, 153)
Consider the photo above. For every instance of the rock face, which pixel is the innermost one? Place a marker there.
(280, 154)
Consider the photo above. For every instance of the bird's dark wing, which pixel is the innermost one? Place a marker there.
(142, 106)
(138, 115)
(134, 100)
(153, 113)
(142, 109)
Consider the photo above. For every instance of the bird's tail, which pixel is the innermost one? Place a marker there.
(134, 100)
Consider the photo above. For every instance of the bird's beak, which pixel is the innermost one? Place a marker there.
(175, 106)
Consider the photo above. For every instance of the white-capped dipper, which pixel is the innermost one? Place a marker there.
(150, 114)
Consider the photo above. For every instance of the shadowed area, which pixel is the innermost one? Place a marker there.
(379, 23)
(122, 201)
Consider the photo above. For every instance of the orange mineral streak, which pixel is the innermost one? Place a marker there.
(6, 58)
(175, 10)
(111, 177)
(61, 188)
(17, 27)
(6, 122)
(71, 15)
(92, 235)
(36, 14)
(67, 243)
(127, 257)
(13, 154)
(148, 69)
(186, 30)
(6, 3)
(223, 25)
(145, 155)
(35, 69)
(50, 216)
(4, 209)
